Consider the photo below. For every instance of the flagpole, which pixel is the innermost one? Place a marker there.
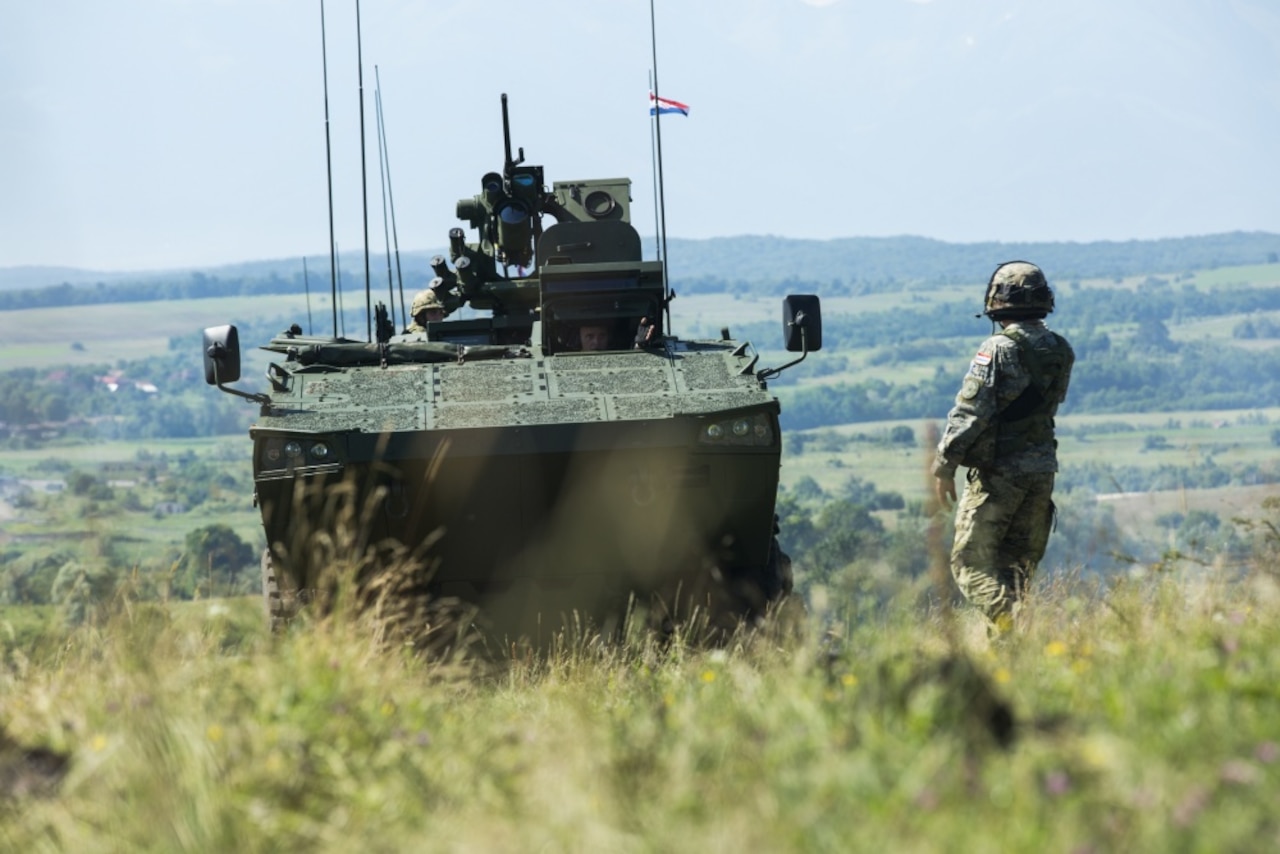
(653, 157)
(662, 195)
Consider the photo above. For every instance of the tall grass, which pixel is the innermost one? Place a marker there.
(1144, 714)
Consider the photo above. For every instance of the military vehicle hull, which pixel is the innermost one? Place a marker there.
(533, 488)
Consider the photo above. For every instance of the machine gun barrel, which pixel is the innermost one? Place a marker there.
(506, 131)
(506, 141)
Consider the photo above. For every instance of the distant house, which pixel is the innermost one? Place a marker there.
(115, 380)
(169, 508)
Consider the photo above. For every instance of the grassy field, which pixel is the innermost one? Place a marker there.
(63, 522)
(42, 337)
(1229, 437)
(1141, 716)
(1136, 712)
(27, 461)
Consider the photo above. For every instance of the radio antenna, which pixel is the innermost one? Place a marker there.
(382, 181)
(364, 183)
(328, 161)
(306, 283)
(391, 197)
(662, 195)
(653, 157)
(342, 309)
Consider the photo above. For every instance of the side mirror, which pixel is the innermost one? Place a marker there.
(221, 355)
(802, 323)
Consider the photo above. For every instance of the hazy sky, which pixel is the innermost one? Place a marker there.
(162, 133)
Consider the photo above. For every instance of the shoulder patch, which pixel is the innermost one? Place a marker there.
(970, 387)
(982, 358)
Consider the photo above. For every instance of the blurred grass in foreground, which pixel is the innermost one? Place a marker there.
(1146, 717)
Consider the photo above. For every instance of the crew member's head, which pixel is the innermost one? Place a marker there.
(427, 307)
(594, 336)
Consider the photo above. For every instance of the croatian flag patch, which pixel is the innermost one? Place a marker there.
(982, 359)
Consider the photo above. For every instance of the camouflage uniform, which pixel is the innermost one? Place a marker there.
(1001, 429)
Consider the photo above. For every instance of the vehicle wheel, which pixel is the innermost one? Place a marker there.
(279, 598)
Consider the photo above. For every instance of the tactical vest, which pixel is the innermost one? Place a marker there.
(1028, 419)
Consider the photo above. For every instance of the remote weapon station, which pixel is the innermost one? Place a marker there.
(558, 451)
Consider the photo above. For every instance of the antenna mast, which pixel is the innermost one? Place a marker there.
(391, 193)
(364, 183)
(662, 195)
(306, 283)
(391, 197)
(653, 157)
(328, 161)
(342, 309)
(382, 181)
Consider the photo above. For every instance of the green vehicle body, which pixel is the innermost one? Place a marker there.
(530, 478)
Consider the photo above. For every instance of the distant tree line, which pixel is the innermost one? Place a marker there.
(854, 265)
(744, 265)
(199, 285)
(913, 332)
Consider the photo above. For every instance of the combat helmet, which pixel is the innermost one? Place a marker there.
(1017, 289)
(425, 299)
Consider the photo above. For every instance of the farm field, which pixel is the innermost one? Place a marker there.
(1189, 439)
(41, 337)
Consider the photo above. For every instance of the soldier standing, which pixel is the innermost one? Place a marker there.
(1001, 429)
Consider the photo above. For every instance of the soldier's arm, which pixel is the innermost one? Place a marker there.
(975, 406)
(1066, 372)
(996, 377)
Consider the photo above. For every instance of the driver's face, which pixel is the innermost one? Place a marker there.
(594, 338)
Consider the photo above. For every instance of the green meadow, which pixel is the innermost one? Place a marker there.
(1134, 715)
(1135, 708)
(85, 335)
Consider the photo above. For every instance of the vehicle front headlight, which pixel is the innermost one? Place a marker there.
(749, 430)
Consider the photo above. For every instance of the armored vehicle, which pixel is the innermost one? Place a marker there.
(557, 451)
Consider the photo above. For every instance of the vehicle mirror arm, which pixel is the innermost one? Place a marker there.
(215, 353)
(769, 373)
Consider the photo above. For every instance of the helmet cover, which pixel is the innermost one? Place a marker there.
(1017, 289)
(425, 299)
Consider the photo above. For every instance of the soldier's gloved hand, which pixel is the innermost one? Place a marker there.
(945, 489)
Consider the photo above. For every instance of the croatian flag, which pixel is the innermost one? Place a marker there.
(662, 106)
